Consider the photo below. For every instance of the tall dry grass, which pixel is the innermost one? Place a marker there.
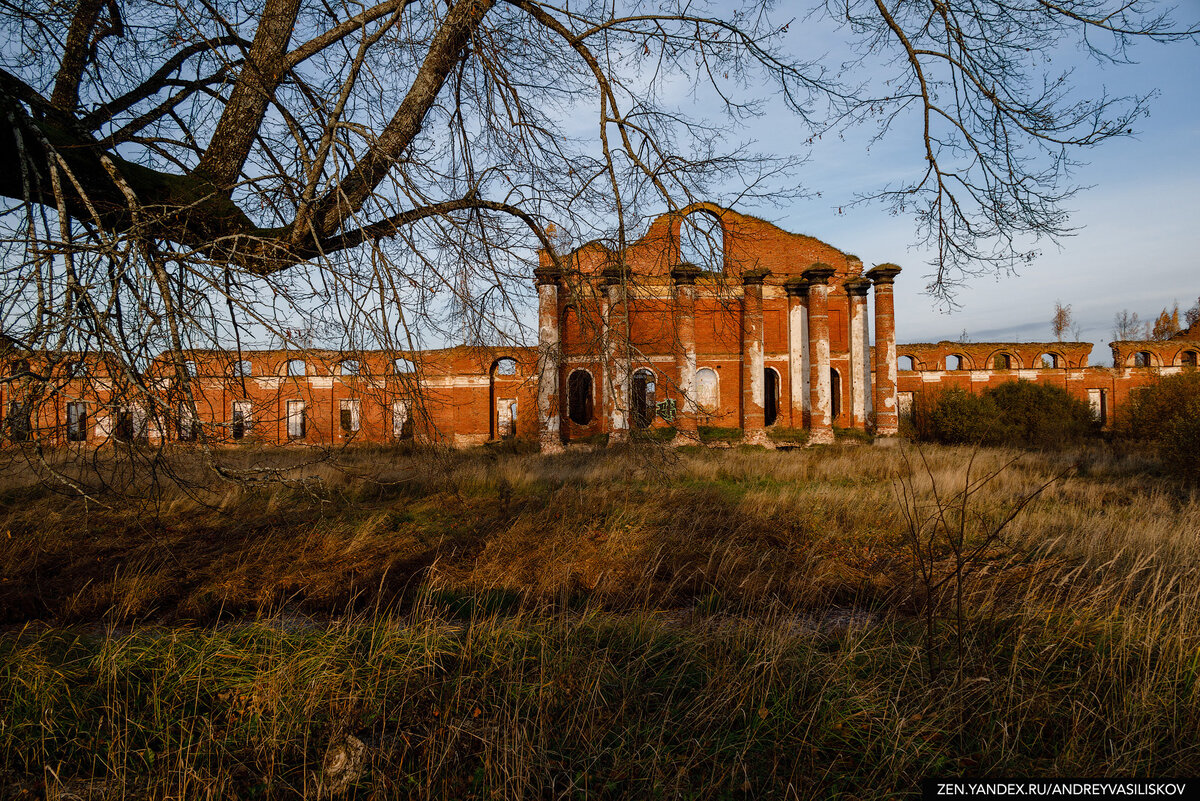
(611, 625)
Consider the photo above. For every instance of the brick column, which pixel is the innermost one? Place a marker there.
(860, 362)
(548, 360)
(617, 355)
(887, 421)
(685, 353)
(754, 397)
(820, 430)
(797, 292)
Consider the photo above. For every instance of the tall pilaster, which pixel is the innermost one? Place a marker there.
(684, 277)
(887, 421)
(797, 293)
(754, 397)
(860, 375)
(617, 356)
(548, 359)
(820, 430)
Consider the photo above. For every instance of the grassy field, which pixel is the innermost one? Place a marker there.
(639, 623)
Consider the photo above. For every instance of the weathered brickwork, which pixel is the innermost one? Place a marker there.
(778, 337)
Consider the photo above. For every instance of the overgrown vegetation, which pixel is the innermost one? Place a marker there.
(727, 624)
(1166, 414)
(1019, 414)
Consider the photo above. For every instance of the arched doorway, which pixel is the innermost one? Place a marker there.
(504, 382)
(644, 402)
(771, 396)
(579, 397)
(835, 395)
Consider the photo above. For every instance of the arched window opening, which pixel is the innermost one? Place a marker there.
(702, 241)
(404, 366)
(643, 398)
(771, 396)
(579, 397)
(1002, 361)
(1188, 358)
(905, 363)
(241, 369)
(708, 395)
(835, 395)
(505, 367)
(1143, 359)
(297, 368)
(350, 367)
(954, 362)
(1049, 361)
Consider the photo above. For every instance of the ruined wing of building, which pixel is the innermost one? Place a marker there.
(772, 333)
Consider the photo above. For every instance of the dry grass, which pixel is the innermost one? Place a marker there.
(615, 624)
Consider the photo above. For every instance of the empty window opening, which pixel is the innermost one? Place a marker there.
(1049, 361)
(1002, 361)
(350, 367)
(835, 395)
(506, 367)
(954, 362)
(506, 418)
(241, 369)
(349, 412)
(18, 422)
(296, 422)
(905, 363)
(404, 366)
(702, 241)
(76, 422)
(770, 396)
(240, 421)
(131, 424)
(707, 390)
(189, 426)
(1098, 401)
(402, 425)
(1143, 359)
(1188, 358)
(643, 398)
(579, 397)
(297, 368)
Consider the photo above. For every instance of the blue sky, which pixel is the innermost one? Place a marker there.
(1138, 243)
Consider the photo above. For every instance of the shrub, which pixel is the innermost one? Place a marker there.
(1040, 415)
(1166, 415)
(1017, 413)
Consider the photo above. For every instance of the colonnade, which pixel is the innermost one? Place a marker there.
(871, 392)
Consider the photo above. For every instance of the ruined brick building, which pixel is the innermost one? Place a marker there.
(773, 338)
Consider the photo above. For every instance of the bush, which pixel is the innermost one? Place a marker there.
(1017, 413)
(1166, 415)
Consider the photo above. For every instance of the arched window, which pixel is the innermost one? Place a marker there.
(1048, 361)
(708, 390)
(954, 362)
(1188, 358)
(505, 367)
(404, 366)
(1143, 359)
(702, 241)
(350, 367)
(905, 363)
(240, 369)
(296, 368)
(770, 396)
(579, 397)
(835, 395)
(643, 398)
(1002, 361)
